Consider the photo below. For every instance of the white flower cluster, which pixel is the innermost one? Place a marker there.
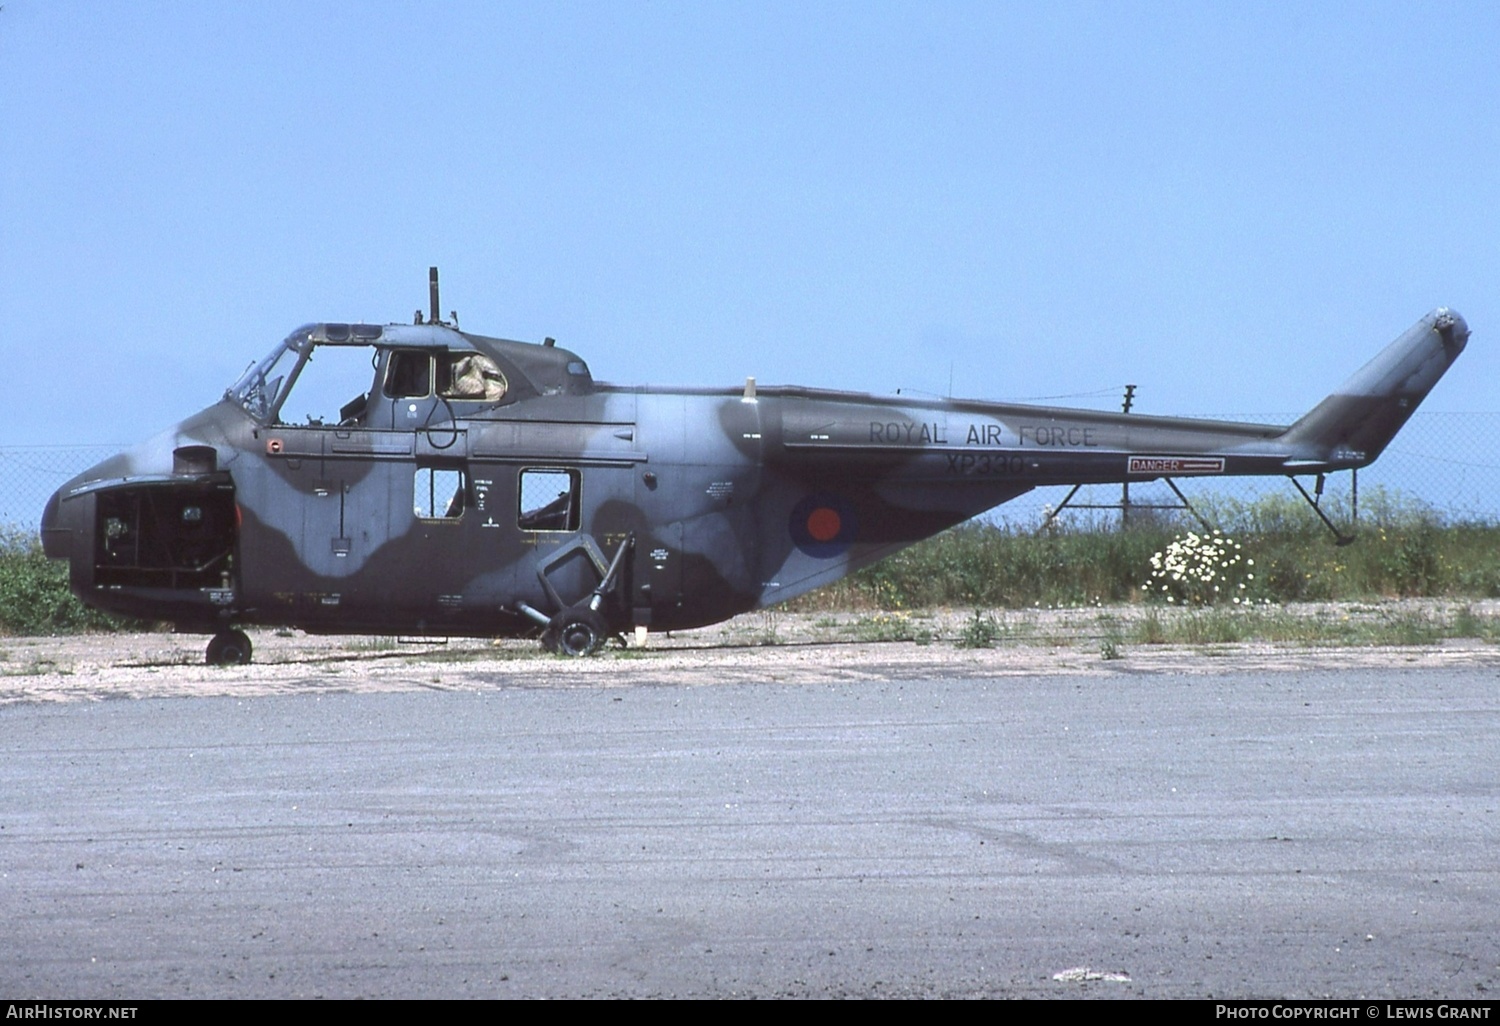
(1200, 570)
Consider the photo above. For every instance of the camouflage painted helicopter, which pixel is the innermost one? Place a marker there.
(480, 486)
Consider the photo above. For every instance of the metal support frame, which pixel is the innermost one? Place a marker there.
(1314, 500)
(1125, 506)
(609, 575)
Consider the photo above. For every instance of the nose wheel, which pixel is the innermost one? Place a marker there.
(228, 648)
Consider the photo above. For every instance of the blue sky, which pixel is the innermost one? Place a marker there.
(1230, 205)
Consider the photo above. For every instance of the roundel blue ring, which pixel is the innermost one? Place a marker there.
(809, 521)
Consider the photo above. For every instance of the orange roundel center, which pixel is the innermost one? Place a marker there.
(824, 524)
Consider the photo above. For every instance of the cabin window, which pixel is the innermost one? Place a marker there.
(549, 500)
(408, 375)
(470, 376)
(440, 493)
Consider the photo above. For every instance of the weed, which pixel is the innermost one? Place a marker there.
(1411, 559)
(487, 653)
(1412, 628)
(766, 634)
(1404, 548)
(980, 631)
(372, 643)
(36, 667)
(1150, 630)
(1201, 570)
(34, 595)
(1467, 624)
(1213, 627)
(885, 627)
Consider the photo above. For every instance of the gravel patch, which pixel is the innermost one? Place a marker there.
(799, 648)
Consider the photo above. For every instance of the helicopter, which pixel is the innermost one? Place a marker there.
(420, 480)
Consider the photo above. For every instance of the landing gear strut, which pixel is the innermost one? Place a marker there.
(582, 628)
(228, 648)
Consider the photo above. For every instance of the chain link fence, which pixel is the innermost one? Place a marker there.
(1443, 463)
(1446, 462)
(29, 474)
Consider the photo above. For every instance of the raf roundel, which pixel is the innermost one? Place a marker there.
(823, 526)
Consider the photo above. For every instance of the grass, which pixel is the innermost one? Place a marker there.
(1396, 626)
(765, 634)
(884, 626)
(369, 643)
(36, 667)
(980, 631)
(1404, 550)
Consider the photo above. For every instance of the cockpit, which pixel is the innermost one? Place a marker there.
(357, 374)
(416, 374)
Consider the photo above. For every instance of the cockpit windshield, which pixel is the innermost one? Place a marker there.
(328, 374)
(261, 389)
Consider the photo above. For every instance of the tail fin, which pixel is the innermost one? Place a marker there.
(1355, 424)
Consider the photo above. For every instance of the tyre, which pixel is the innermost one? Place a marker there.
(576, 632)
(228, 648)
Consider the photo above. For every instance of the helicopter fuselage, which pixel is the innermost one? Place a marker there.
(478, 486)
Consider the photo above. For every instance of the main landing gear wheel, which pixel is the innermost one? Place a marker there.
(577, 631)
(228, 648)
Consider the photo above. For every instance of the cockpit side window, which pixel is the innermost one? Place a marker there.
(409, 374)
(470, 376)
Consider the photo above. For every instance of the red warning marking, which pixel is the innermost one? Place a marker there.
(824, 524)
